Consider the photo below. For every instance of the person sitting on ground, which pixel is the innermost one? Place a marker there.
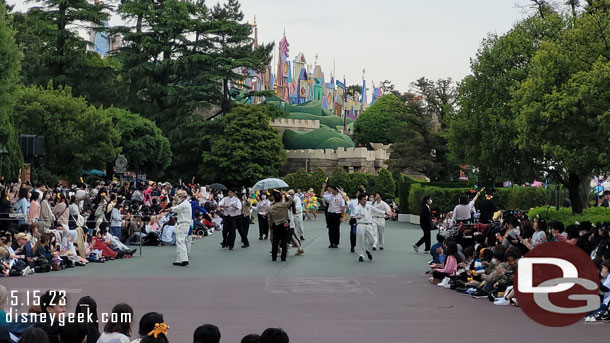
(206, 333)
(251, 338)
(169, 232)
(573, 234)
(557, 231)
(88, 307)
(73, 332)
(437, 251)
(118, 329)
(152, 329)
(52, 304)
(274, 335)
(449, 268)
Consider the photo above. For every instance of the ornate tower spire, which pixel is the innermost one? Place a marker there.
(255, 33)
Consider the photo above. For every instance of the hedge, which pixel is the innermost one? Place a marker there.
(565, 215)
(514, 198)
(310, 140)
(383, 183)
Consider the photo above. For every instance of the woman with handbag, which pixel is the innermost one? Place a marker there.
(47, 217)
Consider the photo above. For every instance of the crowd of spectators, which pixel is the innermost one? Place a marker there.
(46, 229)
(480, 258)
(51, 323)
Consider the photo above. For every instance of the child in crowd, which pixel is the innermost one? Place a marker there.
(437, 251)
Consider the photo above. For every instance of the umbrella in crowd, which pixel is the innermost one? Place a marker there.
(270, 183)
(218, 187)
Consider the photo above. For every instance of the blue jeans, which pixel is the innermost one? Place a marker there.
(116, 231)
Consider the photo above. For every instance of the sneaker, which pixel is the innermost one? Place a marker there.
(415, 247)
(368, 254)
(360, 259)
(588, 319)
(605, 316)
(26, 271)
(480, 295)
(381, 248)
(448, 285)
(444, 282)
(501, 301)
(374, 248)
(431, 278)
(470, 291)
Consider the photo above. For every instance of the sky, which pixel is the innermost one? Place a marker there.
(396, 40)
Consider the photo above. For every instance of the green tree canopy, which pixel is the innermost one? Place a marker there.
(10, 58)
(243, 148)
(142, 143)
(77, 136)
(381, 122)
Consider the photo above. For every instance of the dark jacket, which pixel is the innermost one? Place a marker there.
(425, 218)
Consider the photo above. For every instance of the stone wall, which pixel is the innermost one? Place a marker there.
(295, 124)
(351, 159)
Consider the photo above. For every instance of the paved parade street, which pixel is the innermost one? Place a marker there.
(326, 295)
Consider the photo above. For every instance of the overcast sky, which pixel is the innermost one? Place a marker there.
(397, 40)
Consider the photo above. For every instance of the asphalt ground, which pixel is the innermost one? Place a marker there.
(325, 295)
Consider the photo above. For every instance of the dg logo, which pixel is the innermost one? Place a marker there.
(557, 284)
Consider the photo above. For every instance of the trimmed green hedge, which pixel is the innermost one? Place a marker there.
(565, 215)
(313, 139)
(330, 121)
(515, 198)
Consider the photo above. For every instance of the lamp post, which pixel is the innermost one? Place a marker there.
(3, 152)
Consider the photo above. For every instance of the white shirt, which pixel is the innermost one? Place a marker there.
(364, 215)
(382, 206)
(232, 206)
(335, 203)
(184, 212)
(298, 204)
(263, 207)
(168, 231)
(461, 212)
(352, 207)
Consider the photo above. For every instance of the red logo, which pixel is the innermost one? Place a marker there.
(557, 284)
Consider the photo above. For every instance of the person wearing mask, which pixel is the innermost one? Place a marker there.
(425, 222)
(184, 218)
(364, 214)
(334, 213)
(298, 216)
(379, 220)
(279, 222)
(22, 206)
(263, 224)
(34, 213)
(353, 223)
(60, 211)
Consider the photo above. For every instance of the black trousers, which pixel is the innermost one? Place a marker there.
(425, 239)
(334, 222)
(352, 232)
(225, 230)
(280, 236)
(232, 223)
(243, 228)
(263, 226)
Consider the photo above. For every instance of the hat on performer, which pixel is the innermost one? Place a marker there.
(181, 193)
(291, 192)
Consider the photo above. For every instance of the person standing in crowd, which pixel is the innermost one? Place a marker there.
(280, 224)
(261, 208)
(353, 223)
(298, 215)
(22, 206)
(335, 207)
(364, 214)
(606, 201)
(292, 215)
(462, 213)
(46, 214)
(244, 227)
(487, 207)
(379, 220)
(34, 213)
(184, 214)
(60, 211)
(231, 207)
(425, 221)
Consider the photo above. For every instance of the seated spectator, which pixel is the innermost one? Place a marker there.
(34, 335)
(118, 329)
(206, 333)
(449, 268)
(273, 335)
(437, 252)
(169, 232)
(151, 325)
(73, 332)
(51, 305)
(557, 231)
(251, 338)
(573, 234)
(88, 307)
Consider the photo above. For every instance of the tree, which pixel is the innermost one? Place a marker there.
(385, 184)
(440, 98)
(340, 178)
(78, 136)
(355, 91)
(10, 58)
(298, 179)
(56, 52)
(483, 132)
(144, 146)
(381, 122)
(246, 150)
(563, 105)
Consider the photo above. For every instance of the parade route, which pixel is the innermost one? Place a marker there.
(326, 295)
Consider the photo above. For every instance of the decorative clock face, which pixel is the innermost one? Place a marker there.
(121, 162)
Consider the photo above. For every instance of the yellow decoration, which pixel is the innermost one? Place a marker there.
(159, 329)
